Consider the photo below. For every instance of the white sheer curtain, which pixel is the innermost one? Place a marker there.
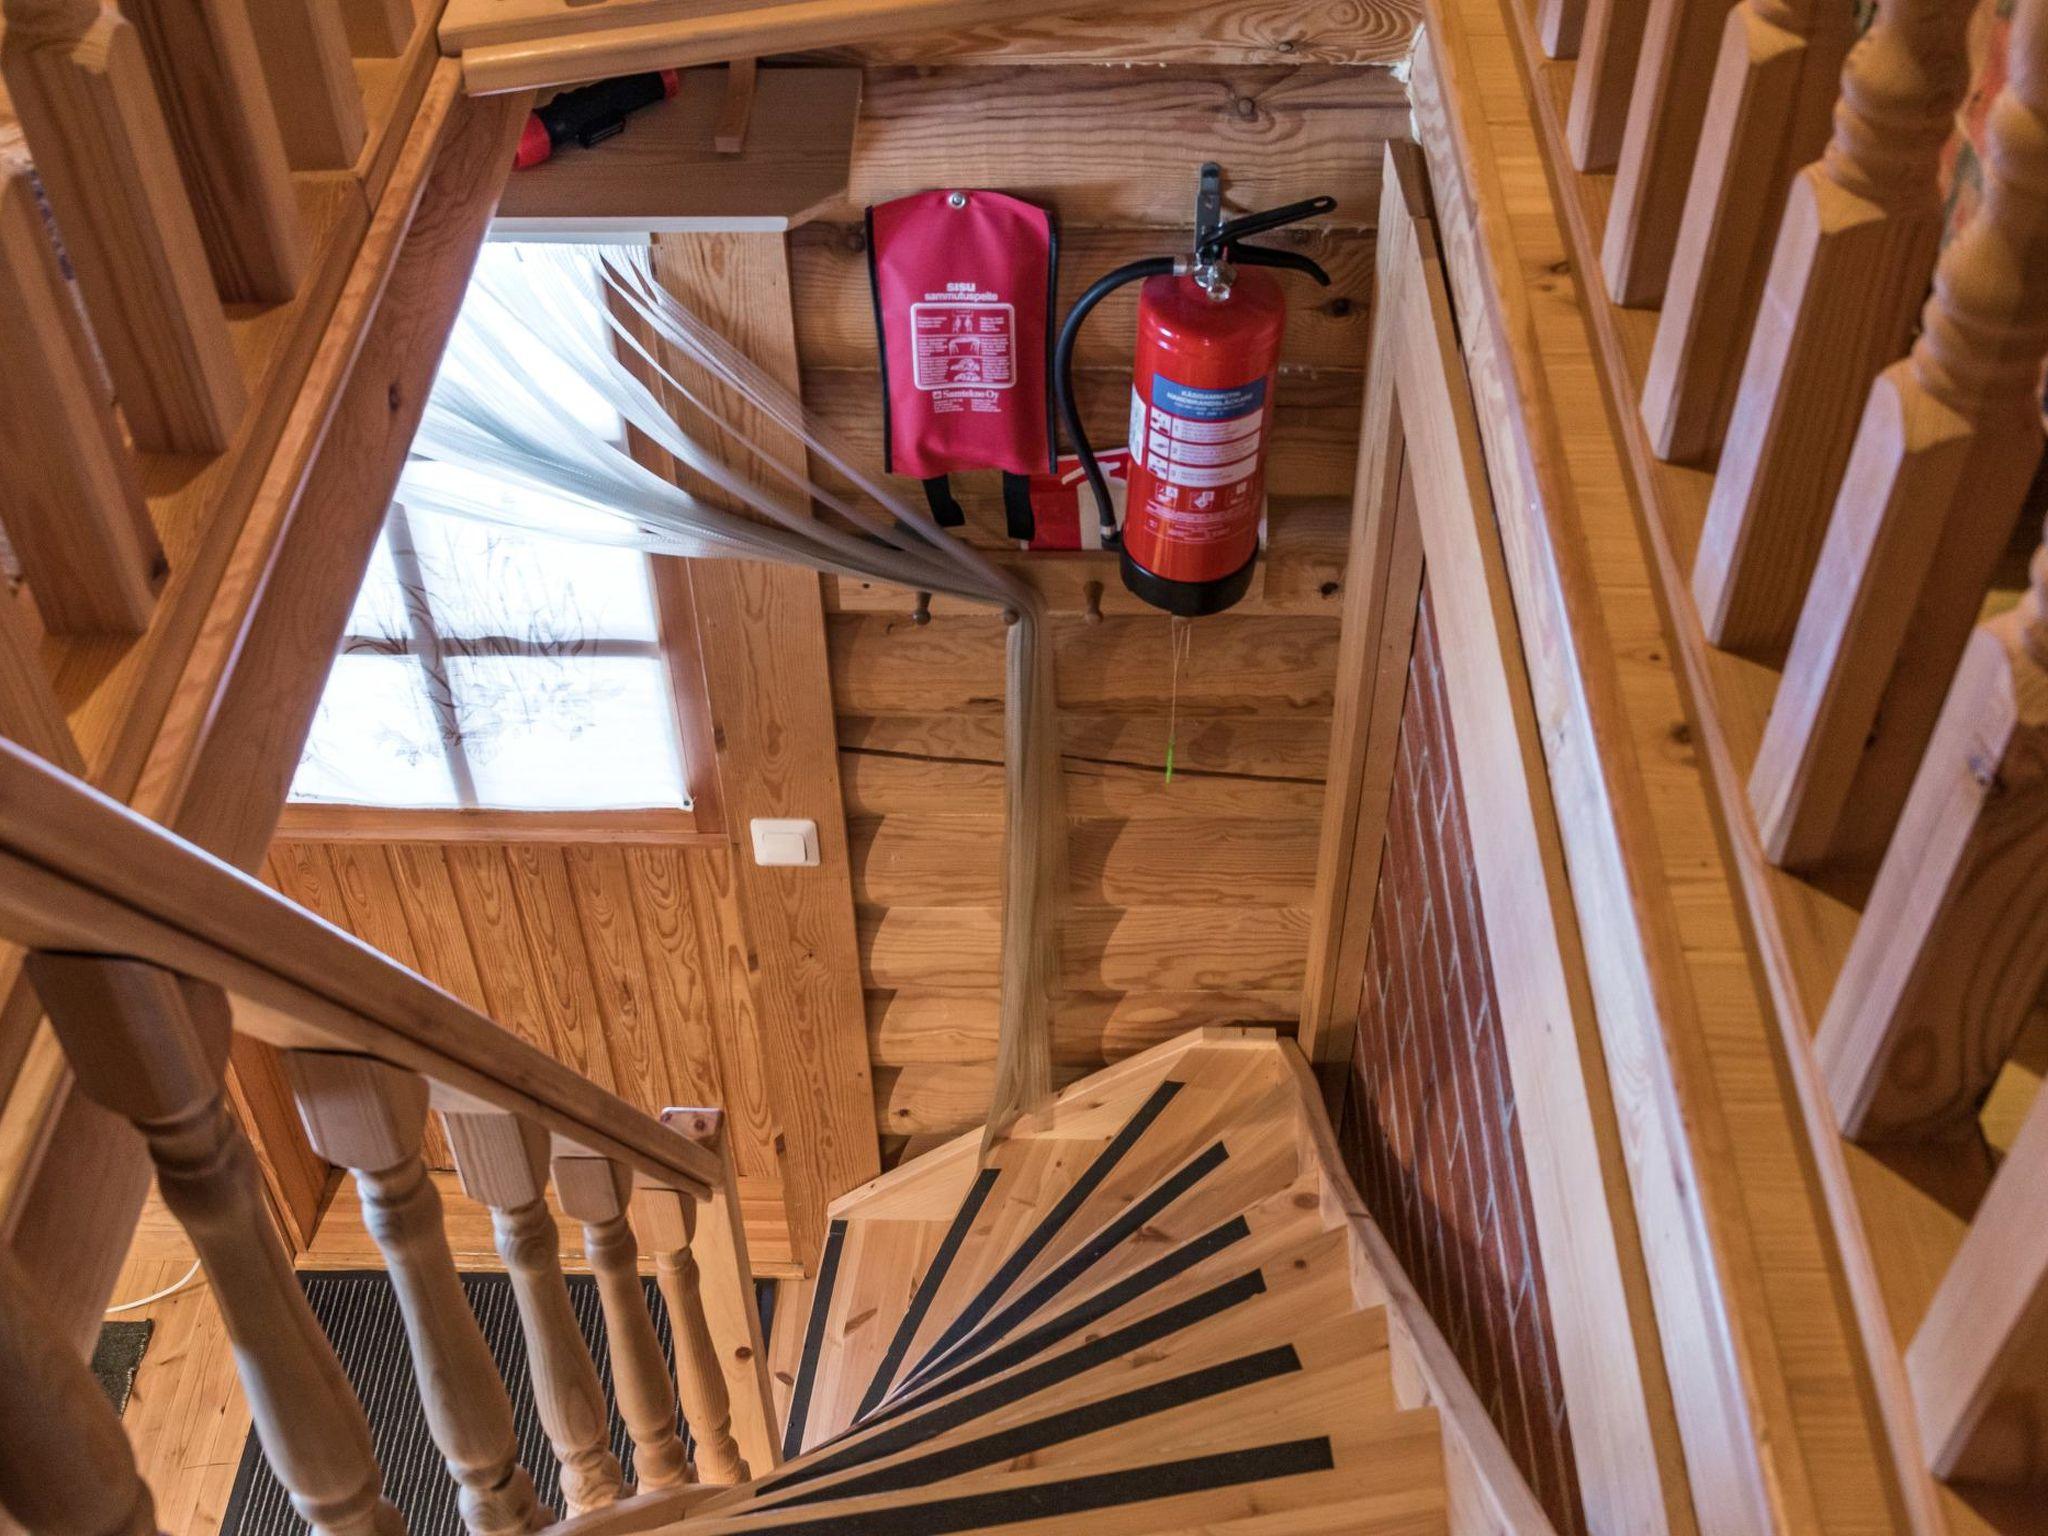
(551, 357)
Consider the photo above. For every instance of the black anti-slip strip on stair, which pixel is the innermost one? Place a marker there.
(1059, 1428)
(1159, 1272)
(965, 1409)
(814, 1339)
(927, 1289)
(1078, 1495)
(1047, 1229)
(1080, 1261)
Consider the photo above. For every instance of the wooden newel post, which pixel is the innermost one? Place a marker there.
(503, 1163)
(65, 1464)
(598, 1193)
(1952, 951)
(152, 1047)
(370, 1118)
(1848, 276)
(1948, 442)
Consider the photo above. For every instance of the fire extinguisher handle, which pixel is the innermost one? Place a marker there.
(1291, 261)
(1250, 224)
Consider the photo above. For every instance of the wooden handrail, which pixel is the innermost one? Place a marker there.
(82, 873)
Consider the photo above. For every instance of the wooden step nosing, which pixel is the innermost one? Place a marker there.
(927, 1290)
(1040, 1236)
(905, 1427)
(814, 1339)
(1105, 1241)
(1054, 1429)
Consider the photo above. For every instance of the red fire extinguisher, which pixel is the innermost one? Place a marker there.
(1209, 331)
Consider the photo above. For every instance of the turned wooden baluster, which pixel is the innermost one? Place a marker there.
(503, 1163)
(1854, 255)
(65, 1464)
(370, 1118)
(152, 1047)
(598, 1193)
(1952, 952)
(1774, 86)
(82, 88)
(1949, 440)
(667, 1222)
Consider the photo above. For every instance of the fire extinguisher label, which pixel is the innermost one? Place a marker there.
(1200, 439)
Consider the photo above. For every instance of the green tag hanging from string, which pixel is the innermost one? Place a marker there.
(1183, 637)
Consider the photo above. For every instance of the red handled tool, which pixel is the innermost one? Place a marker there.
(590, 114)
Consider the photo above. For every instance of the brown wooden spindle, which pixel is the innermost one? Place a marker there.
(1559, 26)
(74, 513)
(312, 82)
(65, 1464)
(502, 1161)
(1610, 45)
(667, 1223)
(1673, 74)
(209, 80)
(152, 1047)
(1854, 255)
(1951, 954)
(598, 1193)
(1774, 88)
(371, 1118)
(731, 1309)
(1949, 440)
(83, 92)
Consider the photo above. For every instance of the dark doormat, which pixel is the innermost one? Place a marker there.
(360, 1312)
(118, 1356)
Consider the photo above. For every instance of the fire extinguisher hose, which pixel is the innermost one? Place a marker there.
(1063, 375)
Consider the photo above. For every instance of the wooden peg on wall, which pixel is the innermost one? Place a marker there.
(729, 133)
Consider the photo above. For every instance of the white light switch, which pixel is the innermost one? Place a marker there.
(784, 842)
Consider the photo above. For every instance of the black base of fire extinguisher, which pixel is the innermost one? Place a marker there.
(1188, 599)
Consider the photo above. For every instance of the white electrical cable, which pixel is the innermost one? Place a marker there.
(155, 1296)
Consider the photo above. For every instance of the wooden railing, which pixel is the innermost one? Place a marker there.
(161, 142)
(148, 955)
(1833, 422)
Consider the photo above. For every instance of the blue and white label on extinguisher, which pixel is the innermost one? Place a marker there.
(1200, 439)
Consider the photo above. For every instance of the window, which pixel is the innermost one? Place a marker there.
(489, 669)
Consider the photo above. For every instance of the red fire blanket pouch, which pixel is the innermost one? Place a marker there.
(963, 289)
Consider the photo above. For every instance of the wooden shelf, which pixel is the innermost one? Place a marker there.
(662, 172)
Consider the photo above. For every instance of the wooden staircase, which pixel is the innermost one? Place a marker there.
(1157, 1307)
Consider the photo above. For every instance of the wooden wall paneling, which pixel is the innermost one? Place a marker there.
(1738, 1188)
(378, 28)
(1623, 1432)
(1169, 32)
(1674, 76)
(490, 913)
(755, 1131)
(440, 937)
(1274, 131)
(562, 969)
(632, 1035)
(770, 697)
(1773, 93)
